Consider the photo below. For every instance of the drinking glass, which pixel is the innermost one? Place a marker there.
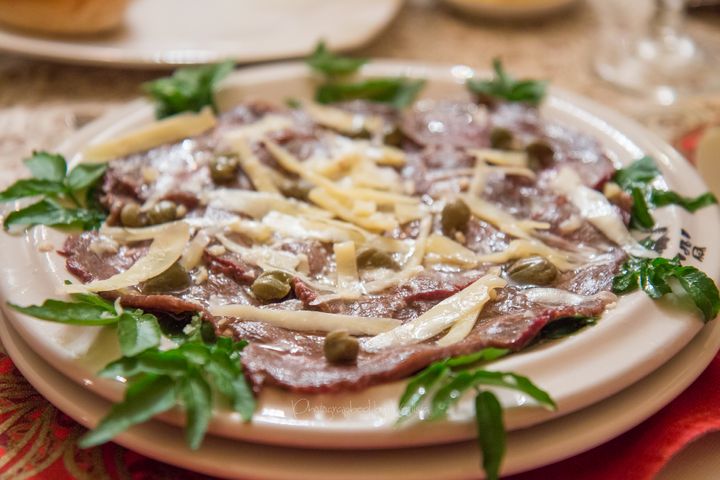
(644, 48)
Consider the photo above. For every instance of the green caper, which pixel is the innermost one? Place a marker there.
(271, 285)
(394, 137)
(162, 212)
(173, 279)
(540, 154)
(374, 258)
(340, 347)
(131, 216)
(533, 270)
(299, 190)
(223, 169)
(501, 138)
(455, 216)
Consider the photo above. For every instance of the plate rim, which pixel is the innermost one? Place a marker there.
(163, 442)
(16, 41)
(461, 431)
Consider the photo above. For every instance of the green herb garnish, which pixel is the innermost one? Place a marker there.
(399, 92)
(181, 376)
(653, 276)
(324, 61)
(563, 327)
(67, 197)
(158, 380)
(636, 180)
(505, 87)
(443, 383)
(188, 89)
(137, 331)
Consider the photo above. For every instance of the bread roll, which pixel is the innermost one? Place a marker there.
(63, 16)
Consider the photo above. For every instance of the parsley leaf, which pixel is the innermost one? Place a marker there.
(490, 432)
(330, 64)
(51, 213)
(47, 166)
(652, 275)
(504, 87)
(638, 173)
(68, 198)
(660, 198)
(188, 89)
(190, 371)
(137, 331)
(636, 179)
(399, 92)
(564, 327)
(144, 398)
(640, 216)
(158, 379)
(444, 382)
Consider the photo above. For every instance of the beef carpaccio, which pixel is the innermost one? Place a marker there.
(425, 234)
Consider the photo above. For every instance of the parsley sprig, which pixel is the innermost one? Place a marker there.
(443, 383)
(654, 276)
(158, 380)
(505, 87)
(67, 198)
(400, 92)
(636, 179)
(137, 331)
(324, 61)
(188, 89)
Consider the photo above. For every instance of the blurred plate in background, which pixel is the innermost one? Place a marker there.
(169, 33)
(510, 9)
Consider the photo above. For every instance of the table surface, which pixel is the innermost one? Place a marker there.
(41, 103)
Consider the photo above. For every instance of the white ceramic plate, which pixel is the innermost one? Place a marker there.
(169, 33)
(528, 448)
(631, 341)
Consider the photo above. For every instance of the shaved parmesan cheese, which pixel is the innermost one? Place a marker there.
(363, 208)
(336, 166)
(500, 157)
(390, 244)
(255, 131)
(556, 296)
(292, 164)
(525, 248)
(516, 171)
(416, 258)
(343, 121)
(597, 210)
(407, 213)
(377, 222)
(252, 229)
(168, 130)
(262, 256)
(194, 250)
(307, 321)
(501, 219)
(259, 174)
(169, 241)
(459, 331)
(346, 264)
(440, 249)
(469, 301)
(305, 229)
(386, 155)
(257, 204)
(369, 175)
